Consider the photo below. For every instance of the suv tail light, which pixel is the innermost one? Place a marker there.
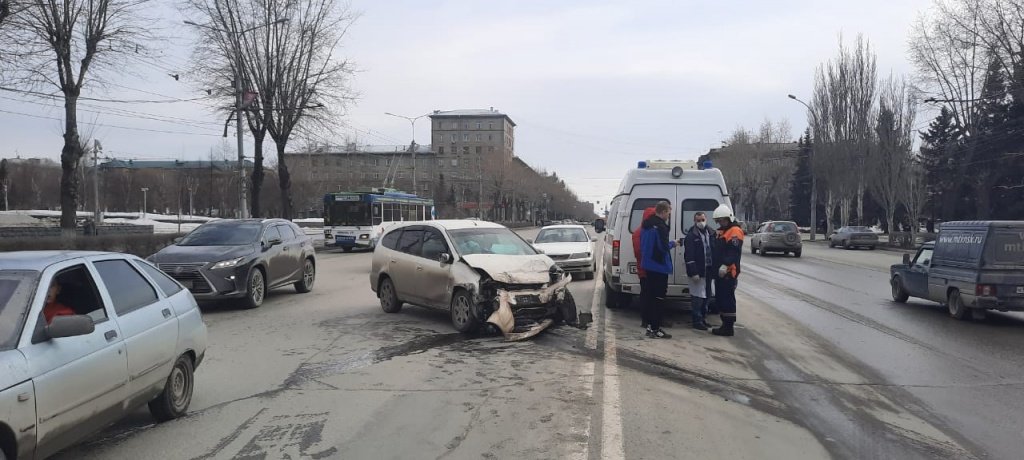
(615, 253)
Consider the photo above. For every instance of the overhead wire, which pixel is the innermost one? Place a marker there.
(109, 125)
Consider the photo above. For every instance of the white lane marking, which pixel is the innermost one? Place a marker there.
(581, 450)
(611, 419)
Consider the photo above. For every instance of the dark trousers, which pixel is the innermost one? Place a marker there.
(725, 299)
(652, 296)
(699, 307)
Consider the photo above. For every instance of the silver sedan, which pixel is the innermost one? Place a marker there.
(85, 337)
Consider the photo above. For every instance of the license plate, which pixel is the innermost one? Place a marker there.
(1020, 289)
(631, 268)
(345, 239)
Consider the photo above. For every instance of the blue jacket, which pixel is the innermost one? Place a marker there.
(655, 247)
(693, 247)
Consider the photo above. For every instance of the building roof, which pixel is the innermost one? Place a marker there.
(470, 113)
(173, 164)
(372, 149)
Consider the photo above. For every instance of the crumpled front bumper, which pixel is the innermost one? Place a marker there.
(522, 314)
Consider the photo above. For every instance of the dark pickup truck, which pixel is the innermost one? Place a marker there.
(971, 267)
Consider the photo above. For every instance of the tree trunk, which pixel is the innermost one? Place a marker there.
(890, 217)
(256, 180)
(860, 203)
(983, 197)
(844, 211)
(830, 209)
(284, 180)
(69, 156)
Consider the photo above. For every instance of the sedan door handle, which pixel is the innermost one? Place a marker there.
(419, 268)
(166, 312)
(110, 335)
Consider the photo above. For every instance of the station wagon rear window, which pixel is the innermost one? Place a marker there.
(16, 287)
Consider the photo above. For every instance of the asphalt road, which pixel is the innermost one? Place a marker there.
(823, 365)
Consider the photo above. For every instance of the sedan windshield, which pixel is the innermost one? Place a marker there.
(223, 234)
(562, 235)
(490, 241)
(16, 287)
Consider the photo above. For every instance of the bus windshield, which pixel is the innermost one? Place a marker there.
(348, 213)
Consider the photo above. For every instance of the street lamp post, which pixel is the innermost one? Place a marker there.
(144, 190)
(243, 206)
(412, 150)
(814, 177)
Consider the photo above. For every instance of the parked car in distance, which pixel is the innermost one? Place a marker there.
(853, 237)
(85, 338)
(776, 236)
(241, 259)
(570, 247)
(469, 268)
(971, 267)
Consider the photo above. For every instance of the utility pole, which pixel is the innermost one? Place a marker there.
(243, 211)
(814, 177)
(144, 190)
(412, 146)
(96, 216)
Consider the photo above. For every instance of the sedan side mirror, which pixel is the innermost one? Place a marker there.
(70, 326)
(271, 243)
(177, 240)
(444, 258)
(906, 259)
(593, 240)
(529, 241)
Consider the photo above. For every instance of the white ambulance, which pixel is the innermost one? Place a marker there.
(690, 189)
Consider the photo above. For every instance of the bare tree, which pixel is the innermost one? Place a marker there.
(890, 159)
(64, 44)
(291, 64)
(843, 100)
(915, 195)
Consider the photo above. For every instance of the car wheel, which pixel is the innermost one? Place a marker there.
(753, 250)
(898, 293)
(462, 313)
(611, 298)
(871, 248)
(305, 284)
(256, 289)
(177, 395)
(956, 306)
(831, 243)
(763, 251)
(797, 253)
(847, 245)
(388, 296)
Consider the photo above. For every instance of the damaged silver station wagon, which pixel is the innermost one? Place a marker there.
(480, 272)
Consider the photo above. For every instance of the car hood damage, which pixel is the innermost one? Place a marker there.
(526, 300)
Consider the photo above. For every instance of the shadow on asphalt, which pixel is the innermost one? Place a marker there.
(931, 311)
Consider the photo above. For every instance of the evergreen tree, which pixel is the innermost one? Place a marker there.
(800, 187)
(939, 145)
(990, 140)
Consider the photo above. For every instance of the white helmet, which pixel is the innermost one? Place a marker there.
(723, 211)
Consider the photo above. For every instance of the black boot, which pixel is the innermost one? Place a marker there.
(725, 330)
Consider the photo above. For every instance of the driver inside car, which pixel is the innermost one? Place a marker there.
(53, 306)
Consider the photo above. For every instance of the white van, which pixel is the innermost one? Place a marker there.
(681, 183)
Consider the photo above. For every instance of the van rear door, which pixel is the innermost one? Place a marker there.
(692, 199)
(1003, 262)
(643, 197)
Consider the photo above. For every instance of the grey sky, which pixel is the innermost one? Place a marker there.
(593, 86)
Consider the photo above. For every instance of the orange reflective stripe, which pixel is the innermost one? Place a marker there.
(734, 232)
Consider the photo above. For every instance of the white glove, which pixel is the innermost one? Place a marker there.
(722, 271)
(695, 278)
